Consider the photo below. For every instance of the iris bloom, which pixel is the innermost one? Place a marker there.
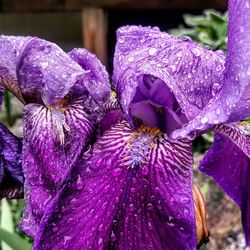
(132, 188)
(60, 92)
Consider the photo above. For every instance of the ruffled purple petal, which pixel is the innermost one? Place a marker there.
(10, 49)
(11, 174)
(96, 79)
(227, 161)
(156, 67)
(134, 191)
(46, 73)
(233, 102)
(53, 142)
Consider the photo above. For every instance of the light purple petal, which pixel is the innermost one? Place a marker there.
(53, 142)
(227, 161)
(46, 73)
(10, 49)
(190, 72)
(233, 103)
(11, 174)
(134, 191)
(96, 80)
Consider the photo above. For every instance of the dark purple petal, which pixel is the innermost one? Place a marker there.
(158, 68)
(96, 79)
(233, 102)
(1, 96)
(133, 192)
(11, 174)
(110, 119)
(227, 161)
(53, 142)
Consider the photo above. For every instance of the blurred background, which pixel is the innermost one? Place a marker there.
(92, 24)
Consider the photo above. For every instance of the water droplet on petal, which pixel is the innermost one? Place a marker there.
(204, 120)
(79, 183)
(144, 170)
(98, 163)
(150, 227)
(100, 228)
(131, 59)
(117, 171)
(45, 65)
(131, 207)
(196, 52)
(133, 190)
(185, 38)
(149, 206)
(152, 51)
(112, 236)
(217, 111)
(100, 244)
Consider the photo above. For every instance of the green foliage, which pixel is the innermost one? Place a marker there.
(10, 240)
(210, 28)
(14, 240)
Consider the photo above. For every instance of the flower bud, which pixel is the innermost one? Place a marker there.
(202, 233)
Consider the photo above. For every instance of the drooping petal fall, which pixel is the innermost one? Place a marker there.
(53, 143)
(233, 102)
(169, 74)
(132, 191)
(11, 174)
(228, 162)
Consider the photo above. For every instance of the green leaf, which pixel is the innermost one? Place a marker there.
(193, 21)
(6, 221)
(14, 241)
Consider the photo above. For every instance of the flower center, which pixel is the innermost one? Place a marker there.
(139, 145)
(58, 119)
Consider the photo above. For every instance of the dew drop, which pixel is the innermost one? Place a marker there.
(189, 76)
(131, 59)
(216, 87)
(98, 163)
(45, 65)
(121, 40)
(133, 190)
(204, 120)
(117, 171)
(149, 206)
(196, 52)
(112, 237)
(179, 54)
(100, 228)
(152, 51)
(79, 183)
(217, 111)
(185, 38)
(131, 207)
(144, 170)
(100, 244)
(150, 227)
(47, 49)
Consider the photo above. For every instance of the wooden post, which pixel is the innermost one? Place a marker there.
(94, 25)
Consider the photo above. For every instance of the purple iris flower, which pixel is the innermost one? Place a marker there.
(132, 188)
(63, 94)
